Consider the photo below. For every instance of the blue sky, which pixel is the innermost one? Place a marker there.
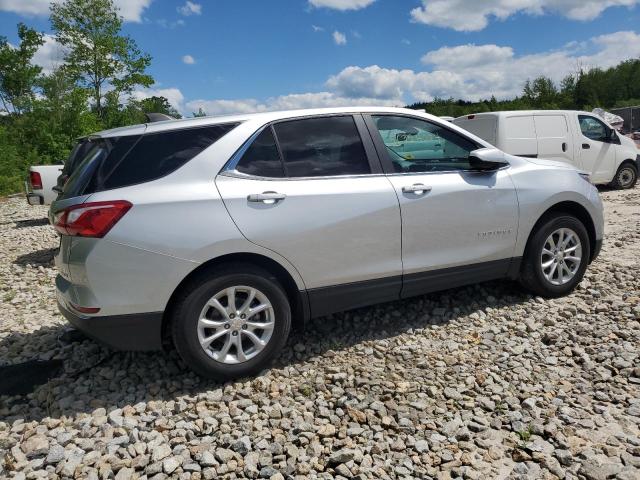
(235, 55)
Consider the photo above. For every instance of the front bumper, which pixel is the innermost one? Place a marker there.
(139, 332)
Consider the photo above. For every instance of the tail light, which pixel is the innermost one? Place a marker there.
(36, 180)
(93, 219)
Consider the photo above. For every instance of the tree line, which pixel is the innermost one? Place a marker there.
(618, 86)
(43, 113)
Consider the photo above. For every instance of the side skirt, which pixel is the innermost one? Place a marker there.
(339, 298)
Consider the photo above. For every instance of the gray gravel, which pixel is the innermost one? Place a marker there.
(477, 383)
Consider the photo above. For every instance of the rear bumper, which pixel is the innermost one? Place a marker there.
(139, 332)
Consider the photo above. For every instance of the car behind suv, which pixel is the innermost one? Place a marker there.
(216, 234)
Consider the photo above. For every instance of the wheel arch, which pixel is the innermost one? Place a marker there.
(297, 298)
(574, 209)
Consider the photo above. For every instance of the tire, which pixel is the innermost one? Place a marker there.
(626, 176)
(534, 277)
(190, 323)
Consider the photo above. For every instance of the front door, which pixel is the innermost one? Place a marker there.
(308, 190)
(598, 156)
(458, 226)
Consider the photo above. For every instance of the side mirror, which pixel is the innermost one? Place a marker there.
(487, 159)
(612, 137)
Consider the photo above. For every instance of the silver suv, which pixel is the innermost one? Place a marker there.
(216, 234)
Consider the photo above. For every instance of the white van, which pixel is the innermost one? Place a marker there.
(579, 138)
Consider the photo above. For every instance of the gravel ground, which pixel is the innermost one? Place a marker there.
(478, 382)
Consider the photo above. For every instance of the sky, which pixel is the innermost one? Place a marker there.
(237, 56)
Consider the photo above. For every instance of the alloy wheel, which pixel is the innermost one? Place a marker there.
(236, 324)
(561, 256)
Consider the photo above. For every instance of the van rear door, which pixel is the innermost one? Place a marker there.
(555, 142)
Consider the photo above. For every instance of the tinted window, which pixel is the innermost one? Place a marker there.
(158, 154)
(593, 128)
(262, 158)
(416, 145)
(90, 168)
(325, 146)
(116, 162)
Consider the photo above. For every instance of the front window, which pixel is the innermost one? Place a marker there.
(592, 128)
(415, 145)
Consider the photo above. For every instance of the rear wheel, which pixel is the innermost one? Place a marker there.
(556, 256)
(231, 325)
(626, 176)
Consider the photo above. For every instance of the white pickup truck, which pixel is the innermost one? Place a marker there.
(42, 180)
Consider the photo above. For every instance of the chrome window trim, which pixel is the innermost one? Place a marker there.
(236, 174)
(229, 168)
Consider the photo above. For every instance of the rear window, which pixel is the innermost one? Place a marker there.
(323, 146)
(262, 158)
(122, 161)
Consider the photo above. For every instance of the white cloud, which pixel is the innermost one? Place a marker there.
(341, 4)
(473, 72)
(316, 28)
(469, 72)
(188, 59)
(174, 95)
(340, 38)
(473, 15)
(50, 55)
(131, 10)
(190, 8)
(284, 102)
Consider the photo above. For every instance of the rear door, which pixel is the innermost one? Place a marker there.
(311, 190)
(555, 141)
(458, 226)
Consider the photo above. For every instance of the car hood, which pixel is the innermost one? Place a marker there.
(628, 143)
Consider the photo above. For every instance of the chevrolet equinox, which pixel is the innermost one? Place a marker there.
(216, 234)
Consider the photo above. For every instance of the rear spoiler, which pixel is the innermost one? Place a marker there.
(157, 117)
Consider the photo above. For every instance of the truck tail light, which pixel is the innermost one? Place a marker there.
(36, 180)
(93, 219)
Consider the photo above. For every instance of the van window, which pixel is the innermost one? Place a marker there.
(551, 126)
(593, 128)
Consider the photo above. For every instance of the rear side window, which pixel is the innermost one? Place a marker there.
(116, 162)
(262, 158)
(327, 146)
(158, 154)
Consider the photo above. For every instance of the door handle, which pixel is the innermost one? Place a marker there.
(564, 146)
(586, 146)
(417, 188)
(266, 197)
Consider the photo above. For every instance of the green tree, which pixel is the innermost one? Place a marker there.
(99, 56)
(157, 104)
(199, 113)
(18, 76)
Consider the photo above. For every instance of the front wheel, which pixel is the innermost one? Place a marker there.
(556, 256)
(231, 325)
(626, 177)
